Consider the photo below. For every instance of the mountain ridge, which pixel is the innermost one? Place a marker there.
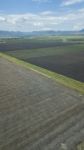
(38, 33)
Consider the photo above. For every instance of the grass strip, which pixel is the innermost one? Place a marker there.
(66, 81)
(80, 146)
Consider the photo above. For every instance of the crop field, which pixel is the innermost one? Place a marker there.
(37, 113)
(63, 54)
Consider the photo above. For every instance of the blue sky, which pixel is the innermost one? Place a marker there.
(35, 15)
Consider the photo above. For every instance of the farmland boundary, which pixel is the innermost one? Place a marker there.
(66, 81)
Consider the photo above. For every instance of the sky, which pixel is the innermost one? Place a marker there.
(36, 15)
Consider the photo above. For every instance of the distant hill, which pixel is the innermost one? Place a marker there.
(12, 34)
(82, 30)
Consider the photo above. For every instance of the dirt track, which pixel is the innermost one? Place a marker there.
(36, 113)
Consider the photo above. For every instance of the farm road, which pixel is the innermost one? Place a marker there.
(36, 113)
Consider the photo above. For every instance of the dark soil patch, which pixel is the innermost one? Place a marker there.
(68, 65)
(32, 45)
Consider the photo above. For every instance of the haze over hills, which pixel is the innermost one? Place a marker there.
(12, 34)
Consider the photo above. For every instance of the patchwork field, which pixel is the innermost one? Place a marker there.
(63, 55)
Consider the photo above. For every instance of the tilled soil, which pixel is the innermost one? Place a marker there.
(32, 45)
(37, 113)
(70, 65)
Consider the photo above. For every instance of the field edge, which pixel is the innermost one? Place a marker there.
(66, 81)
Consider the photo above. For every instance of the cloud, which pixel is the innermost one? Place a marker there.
(2, 19)
(46, 13)
(42, 21)
(71, 2)
(78, 26)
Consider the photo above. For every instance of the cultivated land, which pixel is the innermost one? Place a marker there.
(36, 112)
(41, 109)
(63, 55)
